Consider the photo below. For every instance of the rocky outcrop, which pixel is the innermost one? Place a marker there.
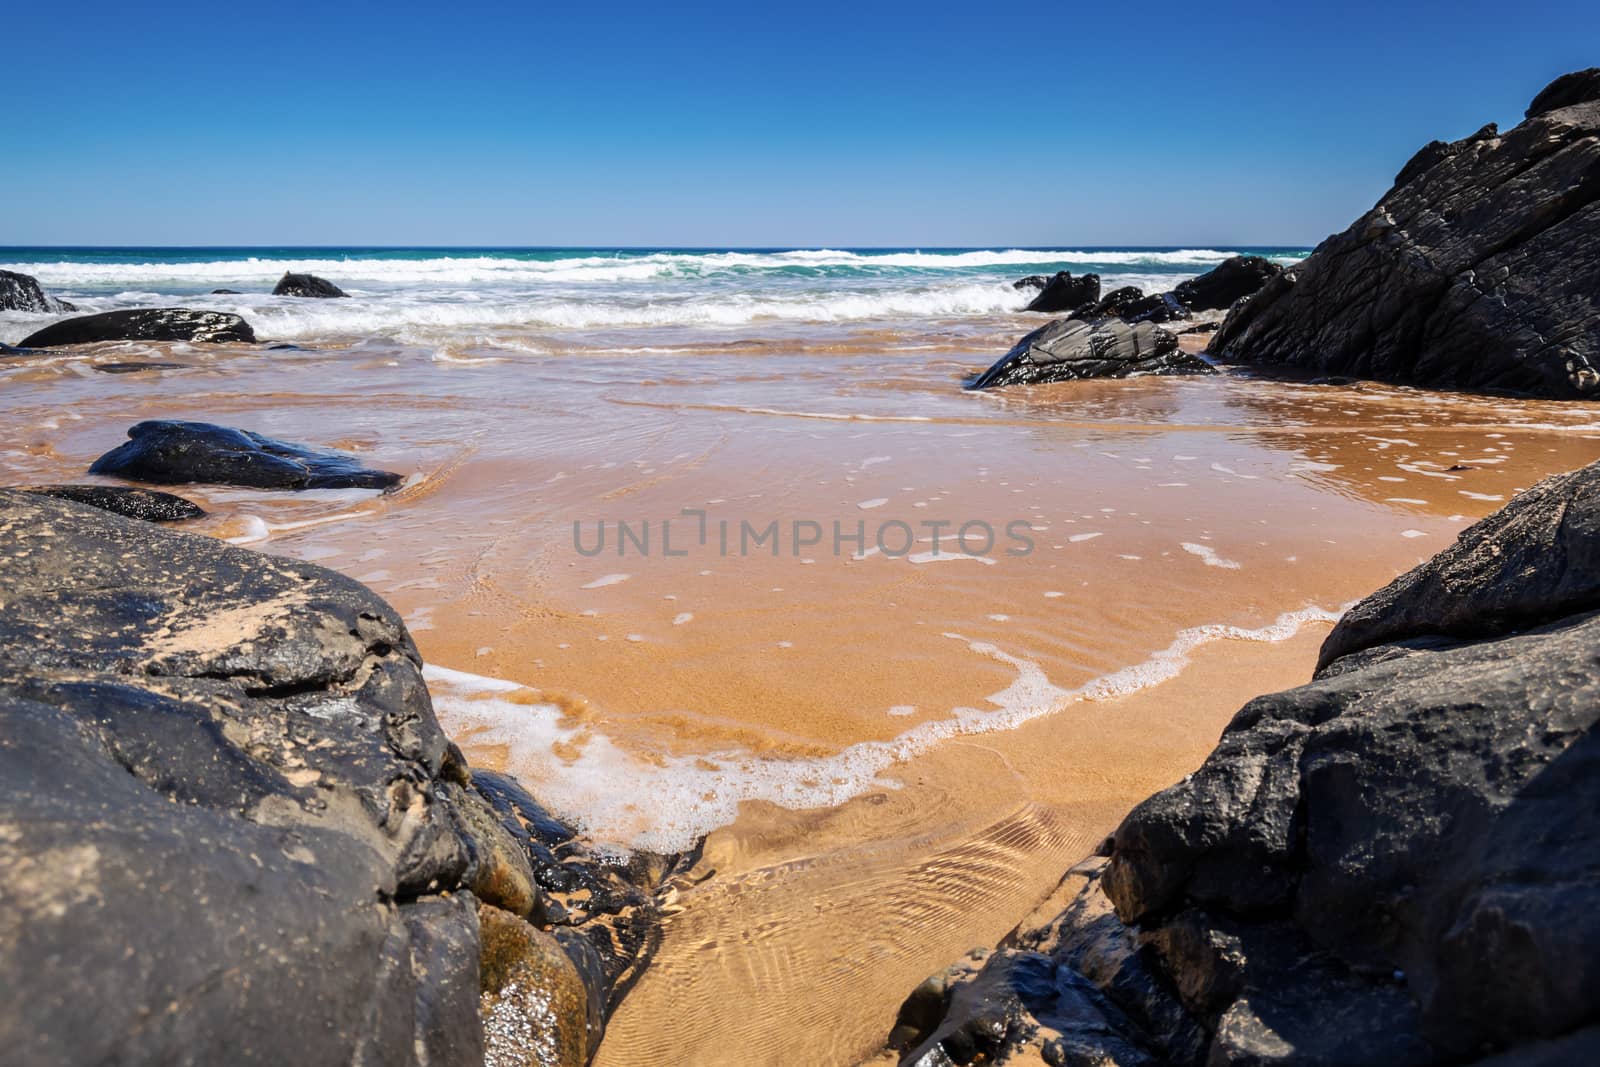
(1063, 292)
(1232, 279)
(169, 452)
(21, 292)
(306, 285)
(1032, 281)
(1398, 863)
(1069, 349)
(1578, 87)
(1114, 304)
(1479, 270)
(143, 324)
(232, 830)
(147, 504)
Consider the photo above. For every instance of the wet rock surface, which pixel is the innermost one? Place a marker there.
(1231, 280)
(1479, 270)
(1398, 863)
(308, 285)
(1069, 349)
(232, 830)
(1063, 292)
(143, 324)
(147, 504)
(22, 292)
(176, 453)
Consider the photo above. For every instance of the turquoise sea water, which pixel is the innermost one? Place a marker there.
(643, 295)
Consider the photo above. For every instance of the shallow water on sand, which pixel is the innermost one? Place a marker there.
(896, 754)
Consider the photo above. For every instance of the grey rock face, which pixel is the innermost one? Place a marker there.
(307, 285)
(231, 830)
(21, 292)
(1479, 270)
(1398, 863)
(223, 807)
(170, 452)
(143, 324)
(1068, 349)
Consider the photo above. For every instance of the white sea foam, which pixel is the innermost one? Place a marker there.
(1209, 554)
(666, 802)
(467, 269)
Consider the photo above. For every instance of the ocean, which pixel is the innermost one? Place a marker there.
(616, 296)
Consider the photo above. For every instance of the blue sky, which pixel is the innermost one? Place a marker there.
(921, 124)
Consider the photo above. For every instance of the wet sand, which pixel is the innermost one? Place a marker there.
(895, 756)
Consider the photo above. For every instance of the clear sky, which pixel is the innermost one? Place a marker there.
(798, 124)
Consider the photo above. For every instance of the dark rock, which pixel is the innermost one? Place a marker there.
(1535, 560)
(1480, 270)
(21, 292)
(226, 790)
(224, 292)
(1113, 305)
(137, 366)
(1219, 287)
(1032, 281)
(1578, 87)
(1436, 152)
(306, 285)
(175, 453)
(1398, 863)
(1063, 292)
(244, 823)
(1068, 349)
(143, 324)
(147, 504)
(1157, 307)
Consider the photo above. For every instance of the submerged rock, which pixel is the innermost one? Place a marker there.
(306, 285)
(1479, 270)
(138, 366)
(143, 324)
(176, 453)
(1398, 863)
(1063, 292)
(148, 504)
(1230, 280)
(1069, 349)
(21, 292)
(226, 790)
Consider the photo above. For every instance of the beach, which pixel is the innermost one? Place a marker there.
(891, 654)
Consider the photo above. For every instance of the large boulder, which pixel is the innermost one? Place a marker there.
(143, 324)
(1479, 270)
(232, 830)
(21, 292)
(1063, 292)
(1398, 863)
(306, 285)
(1069, 349)
(169, 452)
(1230, 280)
